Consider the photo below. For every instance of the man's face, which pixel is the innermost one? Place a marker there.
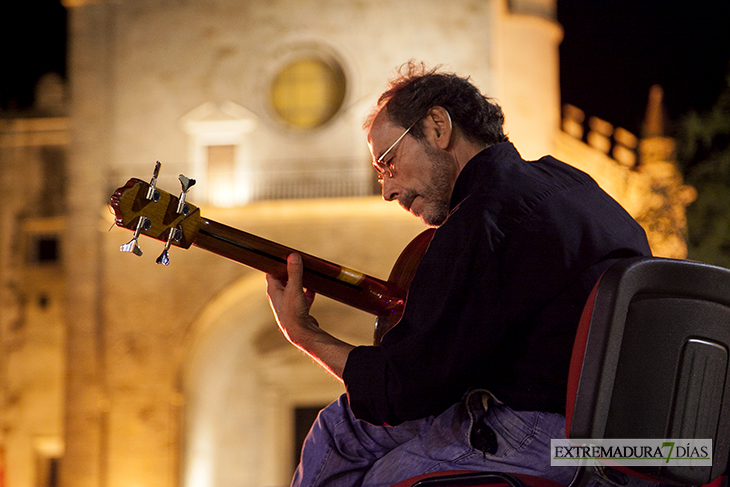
(423, 176)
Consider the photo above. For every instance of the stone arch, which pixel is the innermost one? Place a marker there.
(241, 383)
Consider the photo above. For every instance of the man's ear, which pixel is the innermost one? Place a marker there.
(439, 119)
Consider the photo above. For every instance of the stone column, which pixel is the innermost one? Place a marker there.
(91, 33)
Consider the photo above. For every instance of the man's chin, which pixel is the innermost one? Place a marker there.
(433, 218)
(429, 212)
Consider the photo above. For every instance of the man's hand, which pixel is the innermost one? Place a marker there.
(291, 303)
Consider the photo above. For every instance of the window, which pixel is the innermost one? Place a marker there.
(222, 172)
(42, 240)
(219, 153)
(44, 249)
(308, 92)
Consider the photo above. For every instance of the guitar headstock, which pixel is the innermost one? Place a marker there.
(141, 207)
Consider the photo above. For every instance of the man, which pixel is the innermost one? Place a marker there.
(474, 375)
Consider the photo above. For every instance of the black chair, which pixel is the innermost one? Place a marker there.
(650, 361)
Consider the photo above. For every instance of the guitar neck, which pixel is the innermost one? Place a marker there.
(327, 278)
(156, 214)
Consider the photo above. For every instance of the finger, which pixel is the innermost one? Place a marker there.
(294, 270)
(274, 285)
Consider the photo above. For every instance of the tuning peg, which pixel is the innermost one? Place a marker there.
(187, 183)
(164, 258)
(132, 246)
(152, 192)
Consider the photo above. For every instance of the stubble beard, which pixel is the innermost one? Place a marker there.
(437, 194)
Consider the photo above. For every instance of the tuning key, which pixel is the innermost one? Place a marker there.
(187, 183)
(132, 246)
(152, 192)
(164, 258)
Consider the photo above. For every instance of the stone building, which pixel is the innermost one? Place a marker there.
(116, 371)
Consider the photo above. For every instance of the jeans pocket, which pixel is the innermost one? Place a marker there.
(483, 437)
(515, 430)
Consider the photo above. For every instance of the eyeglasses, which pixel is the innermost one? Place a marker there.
(386, 168)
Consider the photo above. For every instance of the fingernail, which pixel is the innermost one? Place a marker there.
(295, 258)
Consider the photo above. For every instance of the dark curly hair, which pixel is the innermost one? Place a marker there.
(417, 89)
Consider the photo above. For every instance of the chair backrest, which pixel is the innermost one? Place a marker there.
(651, 360)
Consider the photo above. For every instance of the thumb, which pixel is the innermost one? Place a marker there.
(295, 270)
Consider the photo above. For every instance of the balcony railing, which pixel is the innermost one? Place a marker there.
(244, 187)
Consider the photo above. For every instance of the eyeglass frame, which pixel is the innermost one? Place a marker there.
(386, 168)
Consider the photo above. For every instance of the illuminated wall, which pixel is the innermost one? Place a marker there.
(33, 160)
(178, 375)
(200, 86)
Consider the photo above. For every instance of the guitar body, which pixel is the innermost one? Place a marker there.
(141, 207)
(401, 276)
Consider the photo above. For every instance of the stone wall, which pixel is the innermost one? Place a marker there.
(168, 376)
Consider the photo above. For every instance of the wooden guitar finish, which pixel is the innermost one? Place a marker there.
(157, 216)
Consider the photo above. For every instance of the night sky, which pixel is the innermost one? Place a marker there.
(32, 42)
(612, 52)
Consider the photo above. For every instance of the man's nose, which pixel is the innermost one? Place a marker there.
(390, 189)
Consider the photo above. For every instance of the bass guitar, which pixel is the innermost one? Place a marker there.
(143, 208)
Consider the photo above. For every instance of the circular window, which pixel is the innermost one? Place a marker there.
(307, 92)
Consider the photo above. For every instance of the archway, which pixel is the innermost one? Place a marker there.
(243, 382)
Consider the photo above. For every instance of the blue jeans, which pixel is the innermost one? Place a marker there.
(343, 451)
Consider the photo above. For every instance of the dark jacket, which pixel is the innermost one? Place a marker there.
(496, 300)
